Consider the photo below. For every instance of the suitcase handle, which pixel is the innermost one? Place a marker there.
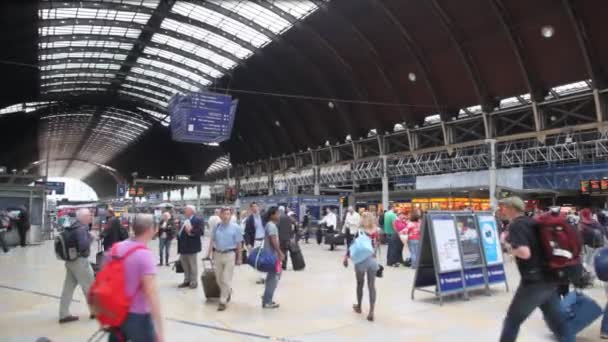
(210, 262)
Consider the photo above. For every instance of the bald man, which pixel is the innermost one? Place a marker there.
(78, 270)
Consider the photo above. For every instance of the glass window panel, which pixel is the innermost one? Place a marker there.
(299, 9)
(63, 55)
(222, 22)
(164, 77)
(148, 82)
(194, 49)
(90, 29)
(100, 66)
(257, 14)
(207, 36)
(87, 43)
(90, 13)
(153, 100)
(183, 60)
(197, 79)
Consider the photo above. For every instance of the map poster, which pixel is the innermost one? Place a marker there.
(446, 243)
(490, 239)
(469, 241)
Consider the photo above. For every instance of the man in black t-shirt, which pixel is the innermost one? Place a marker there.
(536, 289)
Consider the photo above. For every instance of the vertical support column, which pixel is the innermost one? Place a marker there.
(385, 195)
(316, 176)
(599, 110)
(181, 195)
(168, 194)
(198, 197)
(492, 172)
(486, 124)
(270, 178)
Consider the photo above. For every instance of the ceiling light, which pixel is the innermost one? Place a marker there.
(412, 77)
(552, 118)
(547, 31)
(277, 123)
(330, 104)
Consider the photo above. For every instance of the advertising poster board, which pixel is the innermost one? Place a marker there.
(446, 243)
(490, 239)
(469, 241)
(585, 187)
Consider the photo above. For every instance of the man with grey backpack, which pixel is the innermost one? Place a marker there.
(73, 246)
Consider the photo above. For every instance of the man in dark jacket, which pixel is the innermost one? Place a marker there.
(189, 245)
(78, 271)
(254, 226)
(114, 232)
(23, 225)
(285, 233)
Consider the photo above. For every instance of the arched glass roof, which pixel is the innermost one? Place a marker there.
(149, 50)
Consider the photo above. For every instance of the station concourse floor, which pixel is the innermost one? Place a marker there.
(315, 306)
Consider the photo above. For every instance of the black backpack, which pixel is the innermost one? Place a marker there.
(66, 245)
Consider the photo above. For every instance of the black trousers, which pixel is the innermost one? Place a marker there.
(285, 249)
(22, 236)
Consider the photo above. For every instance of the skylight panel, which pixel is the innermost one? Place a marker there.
(432, 119)
(94, 13)
(87, 43)
(257, 14)
(89, 29)
(164, 77)
(153, 113)
(571, 88)
(299, 9)
(197, 79)
(64, 55)
(222, 22)
(207, 36)
(100, 66)
(183, 60)
(147, 98)
(62, 90)
(144, 3)
(12, 109)
(194, 49)
(151, 83)
(68, 75)
(146, 90)
(130, 122)
(64, 83)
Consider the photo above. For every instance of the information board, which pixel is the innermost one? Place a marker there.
(446, 244)
(58, 187)
(202, 117)
(490, 239)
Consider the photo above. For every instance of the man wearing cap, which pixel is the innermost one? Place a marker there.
(536, 289)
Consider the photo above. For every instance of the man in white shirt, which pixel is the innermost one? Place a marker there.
(352, 222)
(331, 222)
(214, 220)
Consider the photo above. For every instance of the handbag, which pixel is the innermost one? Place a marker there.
(380, 271)
(177, 266)
(262, 259)
(361, 248)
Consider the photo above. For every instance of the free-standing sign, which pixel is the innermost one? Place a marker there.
(469, 241)
(446, 243)
(490, 240)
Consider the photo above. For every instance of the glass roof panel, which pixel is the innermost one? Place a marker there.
(220, 164)
(12, 109)
(135, 79)
(571, 88)
(93, 13)
(87, 43)
(207, 36)
(68, 82)
(222, 22)
(62, 90)
(100, 66)
(147, 98)
(194, 49)
(196, 79)
(144, 3)
(153, 113)
(183, 60)
(77, 74)
(63, 55)
(257, 14)
(146, 90)
(89, 29)
(299, 9)
(163, 77)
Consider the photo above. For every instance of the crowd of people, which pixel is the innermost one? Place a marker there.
(276, 228)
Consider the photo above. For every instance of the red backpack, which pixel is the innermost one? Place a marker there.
(107, 295)
(560, 242)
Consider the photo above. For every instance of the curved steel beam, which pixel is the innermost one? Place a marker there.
(530, 78)
(417, 53)
(457, 39)
(598, 80)
(118, 177)
(103, 99)
(141, 102)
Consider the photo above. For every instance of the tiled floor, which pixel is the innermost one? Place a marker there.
(315, 306)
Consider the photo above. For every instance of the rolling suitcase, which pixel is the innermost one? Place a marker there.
(580, 311)
(297, 258)
(336, 239)
(210, 286)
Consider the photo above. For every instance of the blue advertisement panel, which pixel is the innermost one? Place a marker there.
(490, 239)
(496, 274)
(202, 117)
(450, 281)
(121, 190)
(474, 277)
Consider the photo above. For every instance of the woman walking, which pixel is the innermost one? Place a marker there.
(368, 266)
(413, 236)
(166, 233)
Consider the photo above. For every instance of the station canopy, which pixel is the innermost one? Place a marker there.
(87, 83)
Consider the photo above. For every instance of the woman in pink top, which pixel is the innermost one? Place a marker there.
(144, 322)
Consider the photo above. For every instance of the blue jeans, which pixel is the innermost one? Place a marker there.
(272, 280)
(527, 298)
(164, 245)
(604, 328)
(136, 328)
(414, 245)
(395, 250)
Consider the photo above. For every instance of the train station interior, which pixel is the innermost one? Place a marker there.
(340, 115)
